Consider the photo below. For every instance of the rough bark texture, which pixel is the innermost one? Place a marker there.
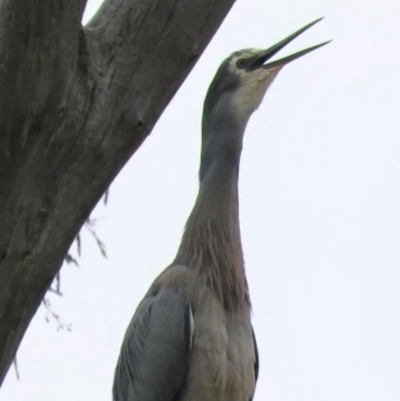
(75, 104)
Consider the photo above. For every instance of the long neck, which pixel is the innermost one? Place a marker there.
(211, 242)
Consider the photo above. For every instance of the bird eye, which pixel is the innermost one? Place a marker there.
(241, 63)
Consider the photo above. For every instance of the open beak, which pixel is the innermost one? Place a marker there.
(260, 60)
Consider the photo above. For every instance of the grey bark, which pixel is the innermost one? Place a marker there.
(75, 104)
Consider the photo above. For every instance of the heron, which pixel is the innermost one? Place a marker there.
(191, 337)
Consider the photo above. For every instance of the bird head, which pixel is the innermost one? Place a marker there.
(244, 77)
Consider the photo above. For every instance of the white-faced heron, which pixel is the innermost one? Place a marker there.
(191, 338)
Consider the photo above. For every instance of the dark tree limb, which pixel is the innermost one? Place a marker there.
(75, 104)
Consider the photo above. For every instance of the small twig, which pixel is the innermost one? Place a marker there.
(90, 223)
(15, 363)
(70, 259)
(106, 196)
(51, 314)
(58, 283)
(78, 243)
(54, 291)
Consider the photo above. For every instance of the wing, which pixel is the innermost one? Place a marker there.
(154, 357)
(256, 362)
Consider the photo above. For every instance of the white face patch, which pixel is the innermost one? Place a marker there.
(244, 54)
(253, 84)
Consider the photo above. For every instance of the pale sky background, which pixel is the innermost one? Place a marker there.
(320, 218)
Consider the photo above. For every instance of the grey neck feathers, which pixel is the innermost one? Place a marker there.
(211, 242)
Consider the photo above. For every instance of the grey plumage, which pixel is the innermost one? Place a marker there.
(191, 338)
(154, 361)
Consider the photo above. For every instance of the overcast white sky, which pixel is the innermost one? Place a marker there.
(320, 217)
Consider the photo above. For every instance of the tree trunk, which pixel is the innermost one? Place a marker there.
(75, 104)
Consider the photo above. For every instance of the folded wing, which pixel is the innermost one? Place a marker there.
(155, 353)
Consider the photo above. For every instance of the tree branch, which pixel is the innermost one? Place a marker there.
(76, 108)
(38, 47)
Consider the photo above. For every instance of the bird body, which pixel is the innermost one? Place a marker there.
(223, 358)
(222, 350)
(191, 338)
(207, 280)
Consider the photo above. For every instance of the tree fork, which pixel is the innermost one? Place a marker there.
(75, 104)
